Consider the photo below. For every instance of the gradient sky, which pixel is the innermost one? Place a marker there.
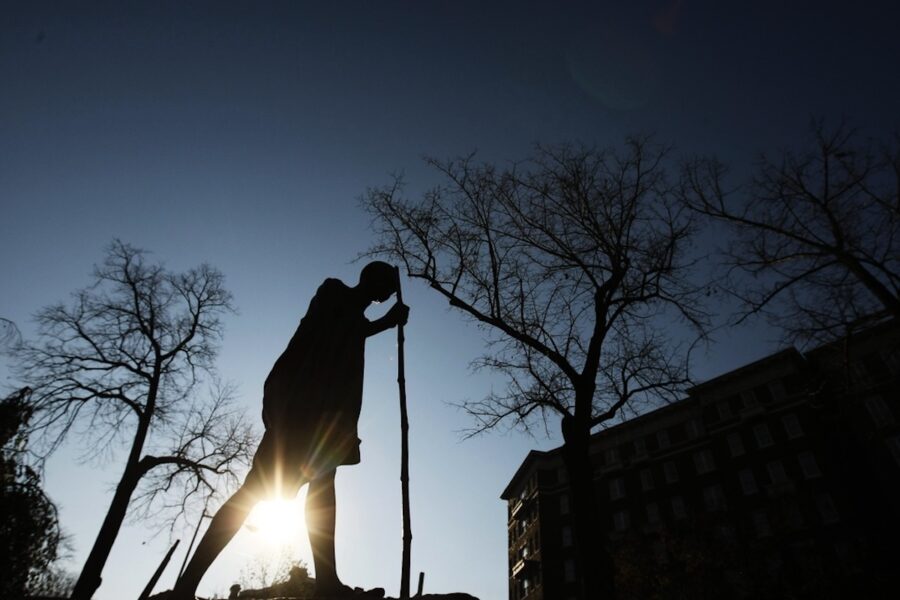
(243, 134)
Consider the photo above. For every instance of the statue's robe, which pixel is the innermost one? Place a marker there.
(313, 395)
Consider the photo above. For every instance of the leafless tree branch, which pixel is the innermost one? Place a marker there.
(816, 234)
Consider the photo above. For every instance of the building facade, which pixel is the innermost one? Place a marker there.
(778, 479)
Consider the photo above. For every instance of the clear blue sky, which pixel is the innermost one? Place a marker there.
(243, 133)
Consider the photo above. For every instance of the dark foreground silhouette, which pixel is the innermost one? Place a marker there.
(357, 593)
(300, 586)
(311, 404)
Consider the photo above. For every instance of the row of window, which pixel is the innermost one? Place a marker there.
(879, 411)
(703, 463)
(714, 500)
(761, 433)
(876, 366)
(714, 497)
(762, 436)
(761, 395)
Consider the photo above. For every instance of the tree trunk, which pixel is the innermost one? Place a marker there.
(89, 579)
(888, 299)
(594, 566)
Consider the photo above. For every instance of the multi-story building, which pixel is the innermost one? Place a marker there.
(781, 477)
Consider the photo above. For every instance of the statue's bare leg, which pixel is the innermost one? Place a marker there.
(224, 525)
(320, 522)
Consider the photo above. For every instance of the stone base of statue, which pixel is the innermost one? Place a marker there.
(300, 586)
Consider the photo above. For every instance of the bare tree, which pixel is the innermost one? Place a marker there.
(575, 264)
(9, 334)
(123, 363)
(30, 536)
(815, 243)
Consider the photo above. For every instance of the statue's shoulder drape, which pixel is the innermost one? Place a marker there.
(313, 395)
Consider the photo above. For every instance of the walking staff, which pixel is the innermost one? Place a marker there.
(404, 453)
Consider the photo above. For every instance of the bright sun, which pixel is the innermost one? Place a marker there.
(277, 521)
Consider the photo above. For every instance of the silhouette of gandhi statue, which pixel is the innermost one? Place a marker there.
(311, 404)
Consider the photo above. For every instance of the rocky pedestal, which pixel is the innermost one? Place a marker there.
(300, 586)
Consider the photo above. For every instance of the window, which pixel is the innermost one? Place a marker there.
(620, 520)
(724, 409)
(678, 507)
(524, 587)
(617, 488)
(892, 358)
(646, 480)
(671, 472)
(703, 461)
(566, 536)
(827, 509)
(564, 504)
(843, 552)
(653, 513)
(748, 482)
(776, 472)
(611, 456)
(808, 465)
(893, 443)
(762, 435)
(777, 389)
(792, 426)
(761, 524)
(640, 448)
(569, 570)
(879, 411)
(662, 438)
(693, 429)
(714, 498)
(735, 444)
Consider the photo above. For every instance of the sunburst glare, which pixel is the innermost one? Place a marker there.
(277, 521)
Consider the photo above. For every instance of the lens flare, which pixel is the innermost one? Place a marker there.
(277, 521)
